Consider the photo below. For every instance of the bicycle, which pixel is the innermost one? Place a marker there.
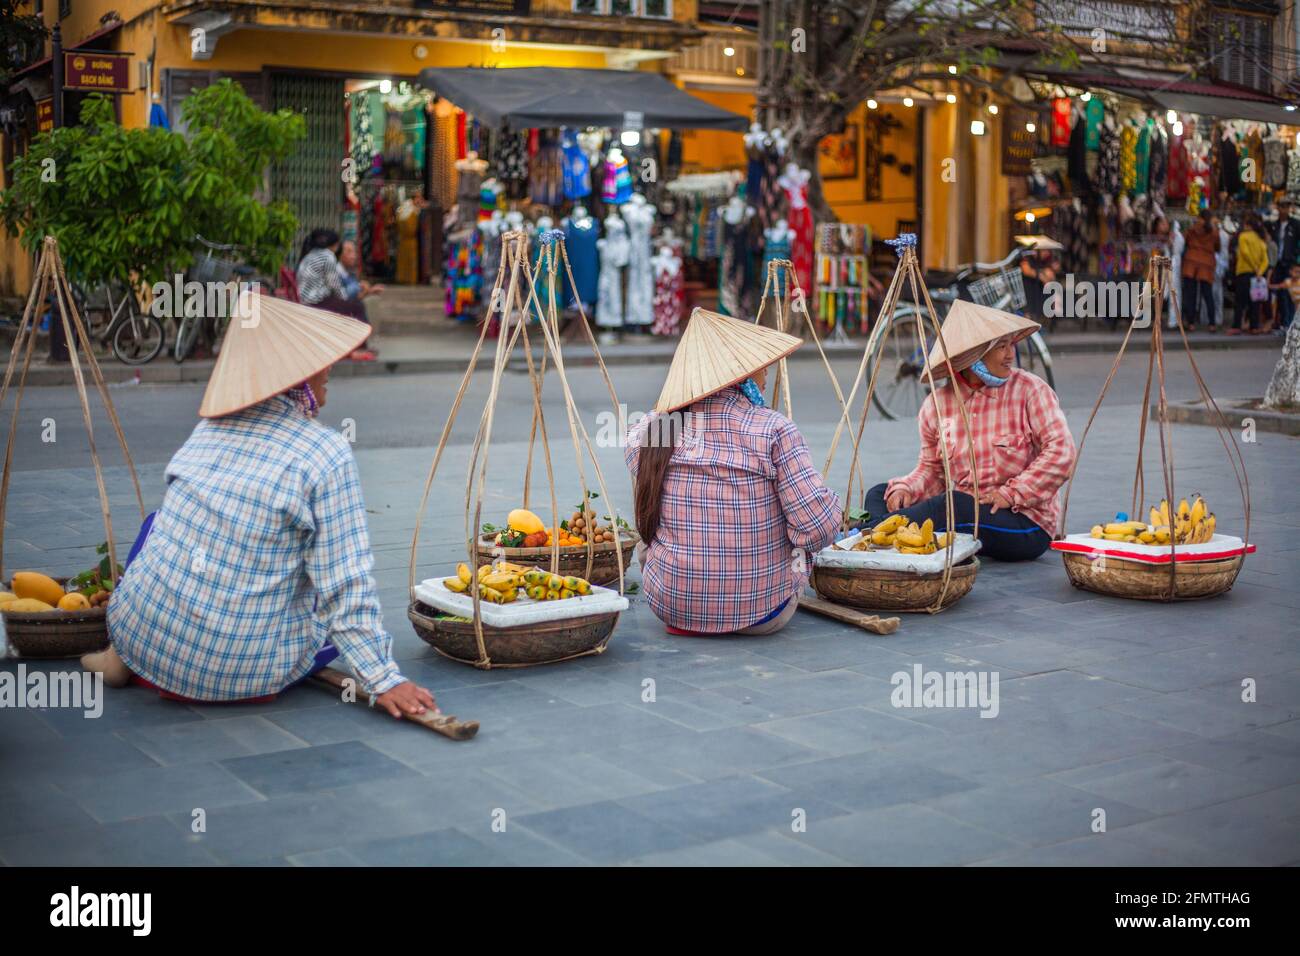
(901, 388)
(209, 267)
(135, 337)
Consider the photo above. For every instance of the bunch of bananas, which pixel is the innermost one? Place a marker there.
(499, 585)
(544, 586)
(1190, 524)
(909, 538)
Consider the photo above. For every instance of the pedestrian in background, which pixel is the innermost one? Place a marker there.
(1252, 264)
(1287, 236)
(320, 283)
(1198, 271)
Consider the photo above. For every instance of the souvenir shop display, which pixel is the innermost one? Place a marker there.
(546, 170)
(670, 291)
(508, 605)
(614, 249)
(699, 199)
(408, 242)
(464, 274)
(842, 299)
(1178, 553)
(617, 188)
(638, 313)
(491, 230)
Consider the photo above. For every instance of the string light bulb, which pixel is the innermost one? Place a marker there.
(1030, 127)
(993, 109)
(977, 127)
(1085, 96)
(951, 97)
(872, 104)
(908, 101)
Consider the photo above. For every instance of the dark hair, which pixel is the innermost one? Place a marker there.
(658, 442)
(319, 239)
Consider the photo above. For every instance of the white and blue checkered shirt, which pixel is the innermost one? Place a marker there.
(258, 556)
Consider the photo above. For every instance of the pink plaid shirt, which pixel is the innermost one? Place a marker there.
(1022, 447)
(743, 513)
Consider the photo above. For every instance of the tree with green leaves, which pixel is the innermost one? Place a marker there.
(20, 34)
(819, 59)
(127, 203)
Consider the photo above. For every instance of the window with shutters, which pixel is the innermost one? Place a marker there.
(1242, 47)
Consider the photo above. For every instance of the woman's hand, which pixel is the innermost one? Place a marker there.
(897, 499)
(995, 500)
(406, 698)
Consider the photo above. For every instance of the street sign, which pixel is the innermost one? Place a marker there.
(1019, 146)
(105, 72)
(45, 115)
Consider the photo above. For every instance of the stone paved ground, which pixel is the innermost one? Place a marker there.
(1127, 707)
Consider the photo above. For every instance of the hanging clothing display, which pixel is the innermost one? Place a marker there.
(1128, 139)
(546, 172)
(801, 222)
(408, 243)
(777, 245)
(512, 162)
(464, 275)
(1061, 121)
(577, 170)
(1158, 164)
(640, 218)
(1293, 174)
(618, 179)
(490, 259)
(1094, 113)
(1142, 160)
(1229, 166)
(1108, 161)
(1176, 178)
(670, 295)
(1275, 163)
(1077, 154)
(613, 249)
(580, 237)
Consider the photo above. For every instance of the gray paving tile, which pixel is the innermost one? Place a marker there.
(1250, 754)
(152, 841)
(37, 806)
(1203, 711)
(88, 755)
(1158, 784)
(906, 835)
(160, 790)
(710, 754)
(333, 856)
(309, 769)
(1068, 690)
(866, 780)
(1262, 829)
(605, 832)
(848, 730)
(557, 780)
(201, 741)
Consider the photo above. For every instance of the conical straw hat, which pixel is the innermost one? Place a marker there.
(717, 351)
(969, 330)
(272, 345)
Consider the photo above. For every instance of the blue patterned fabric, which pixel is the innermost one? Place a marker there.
(753, 393)
(985, 376)
(258, 558)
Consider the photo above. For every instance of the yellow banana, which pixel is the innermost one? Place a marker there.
(881, 538)
(941, 540)
(1111, 536)
(463, 572)
(924, 549)
(907, 538)
(1164, 511)
(1162, 534)
(1147, 537)
(891, 524)
(1198, 510)
(927, 531)
(500, 580)
(1210, 524)
(455, 584)
(1184, 509)
(1157, 517)
(1124, 527)
(1097, 531)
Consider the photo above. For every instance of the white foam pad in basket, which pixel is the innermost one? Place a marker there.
(889, 559)
(1219, 546)
(522, 610)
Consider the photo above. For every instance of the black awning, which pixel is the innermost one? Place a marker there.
(544, 96)
(1223, 107)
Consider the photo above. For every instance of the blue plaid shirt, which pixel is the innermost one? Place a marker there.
(258, 556)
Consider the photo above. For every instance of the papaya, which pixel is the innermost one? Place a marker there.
(521, 519)
(75, 601)
(42, 587)
(28, 606)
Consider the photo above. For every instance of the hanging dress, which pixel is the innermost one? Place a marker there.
(580, 242)
(776, 249)
(1108, 164)
(577, 169)
(613, 257)
(670, 296)
(640, 274)
(800, 220)
(1128, 138)
(1176, 180)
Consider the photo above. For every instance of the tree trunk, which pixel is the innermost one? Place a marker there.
(804, 152)
(1284, 388)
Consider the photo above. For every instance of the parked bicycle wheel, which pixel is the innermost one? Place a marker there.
(139, 339)
(900, 387)
(1032, 355)
(187, 333)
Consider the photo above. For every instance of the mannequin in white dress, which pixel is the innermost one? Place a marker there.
(613, 257)
(640, 217)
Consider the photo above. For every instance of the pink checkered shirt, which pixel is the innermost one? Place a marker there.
(743, 513)
(1022, 447)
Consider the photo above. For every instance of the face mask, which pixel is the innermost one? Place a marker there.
(988, 378)
(752, 392)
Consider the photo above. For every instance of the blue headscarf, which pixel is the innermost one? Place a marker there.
(988, 378)
(753, 393)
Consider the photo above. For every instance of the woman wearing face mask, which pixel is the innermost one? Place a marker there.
(728, 503)
(1023, 447)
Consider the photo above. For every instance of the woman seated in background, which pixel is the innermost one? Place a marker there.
(1023, 447)
(728, 504)
(256, 570)
(321, 285)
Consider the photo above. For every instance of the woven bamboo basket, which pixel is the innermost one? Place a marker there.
(51, 634)
(1150, 582)
(904, 591)
(573, 560)
(546, 643)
